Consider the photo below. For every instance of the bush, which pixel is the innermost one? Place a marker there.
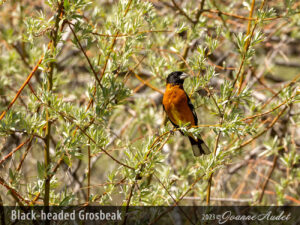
(81, 91)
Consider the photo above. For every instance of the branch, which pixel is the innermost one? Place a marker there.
(200, 11)
(268, 178)
(23, 86)
(87, 58)
(16, 149)
(265, 130)
(13, 192)
(189, 219)
(51, 65)
(182, 12)
(128, 201)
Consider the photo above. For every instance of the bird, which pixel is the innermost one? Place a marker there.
(180, 110)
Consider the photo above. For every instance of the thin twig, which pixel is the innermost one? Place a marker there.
(16, 195)
(269, 111)
(154, 221)
(91, 139)
(24, 156)
(247, 43)
(211, 175)
(200, 11)
(161, 183)
(128, 202)
(265, 130)
(87, 58)
(278, 92)
(89, 172)
(265, 184)
(22, 87)
(134, 34)
(16, 149)
(147, 83)
(182, 12)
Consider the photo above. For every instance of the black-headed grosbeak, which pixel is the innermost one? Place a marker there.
(180, 110)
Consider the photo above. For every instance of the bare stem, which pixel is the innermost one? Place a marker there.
(89, 172)
(47, 158)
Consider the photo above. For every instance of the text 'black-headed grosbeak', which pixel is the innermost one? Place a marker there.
(180, 110)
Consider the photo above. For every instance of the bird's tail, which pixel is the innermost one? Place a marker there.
(199, 147)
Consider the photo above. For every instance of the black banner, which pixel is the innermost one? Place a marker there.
(132, 215)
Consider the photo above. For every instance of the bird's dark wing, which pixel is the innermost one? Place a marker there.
(192, 108)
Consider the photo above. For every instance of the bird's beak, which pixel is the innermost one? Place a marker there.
(183, 76)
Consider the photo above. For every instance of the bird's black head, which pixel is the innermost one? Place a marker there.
(176, 77)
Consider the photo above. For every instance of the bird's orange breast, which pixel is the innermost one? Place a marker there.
(176, 105)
